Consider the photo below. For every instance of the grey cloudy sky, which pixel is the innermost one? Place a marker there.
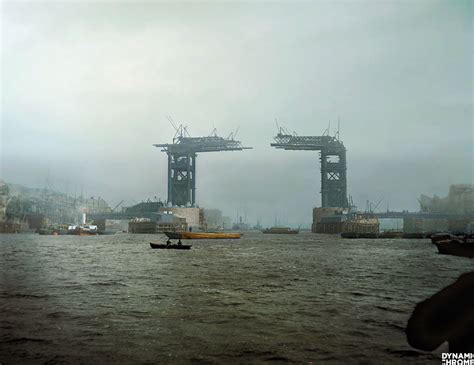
(86, 87)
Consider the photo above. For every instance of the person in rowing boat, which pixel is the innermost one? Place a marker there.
(179, 242)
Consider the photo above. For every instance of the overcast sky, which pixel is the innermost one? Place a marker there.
(86, 87)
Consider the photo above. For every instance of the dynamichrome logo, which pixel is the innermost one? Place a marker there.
(454, 358)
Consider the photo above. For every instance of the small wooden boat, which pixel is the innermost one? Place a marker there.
(456, 248)
(202, 235)
(170, 246)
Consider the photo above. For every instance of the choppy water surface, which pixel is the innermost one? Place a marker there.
(304, 298)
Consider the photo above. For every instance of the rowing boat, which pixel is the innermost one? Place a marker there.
(167, 246)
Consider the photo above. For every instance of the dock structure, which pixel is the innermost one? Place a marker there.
(333, 163)
(182, 155)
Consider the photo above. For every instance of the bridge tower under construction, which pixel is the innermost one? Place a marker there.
(333, 163)
(182, 155)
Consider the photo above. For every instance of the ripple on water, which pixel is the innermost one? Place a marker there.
(309, 298)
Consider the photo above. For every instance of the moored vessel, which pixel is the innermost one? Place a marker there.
(390, 234)
(183, 235)
(54, 230)
(281, 230)
(456, 247)
(444, 236)
(83, 230)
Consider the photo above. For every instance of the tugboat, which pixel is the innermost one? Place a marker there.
(83, 229)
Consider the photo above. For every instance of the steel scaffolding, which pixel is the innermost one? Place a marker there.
(182, 155)
(333, 163)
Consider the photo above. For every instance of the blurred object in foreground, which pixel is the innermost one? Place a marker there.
(446, 316)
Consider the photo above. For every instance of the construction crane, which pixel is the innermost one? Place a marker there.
(182, 155)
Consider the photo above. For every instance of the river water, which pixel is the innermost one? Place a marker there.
(303, 298)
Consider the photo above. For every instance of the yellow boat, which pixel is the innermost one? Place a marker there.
(202, 235)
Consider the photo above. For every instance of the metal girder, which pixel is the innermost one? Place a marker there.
(182, 155)
(310, 143)
(333, 164)
(181, 179)
(185, 145)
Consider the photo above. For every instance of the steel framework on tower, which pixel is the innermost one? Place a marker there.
(333, 163)
(182, 155)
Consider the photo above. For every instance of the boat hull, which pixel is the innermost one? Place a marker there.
(80, 232)
(52, 231)
(360, 235)
(276, 232)
(349, 235)
(201, 235)
(390, 234)
(415, 235)
(169, 247)
(438, 237)
(456, 248)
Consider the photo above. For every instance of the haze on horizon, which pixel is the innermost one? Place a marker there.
(86, 88)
